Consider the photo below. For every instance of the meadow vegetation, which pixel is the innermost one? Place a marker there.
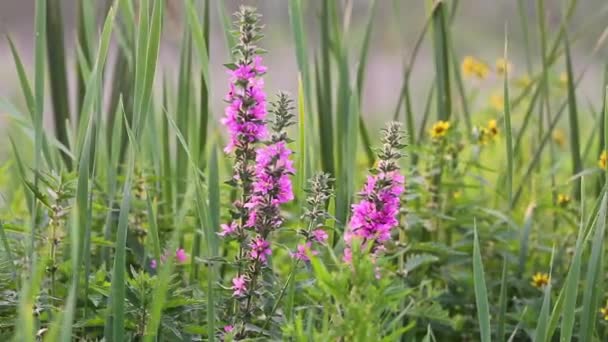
(145, 214)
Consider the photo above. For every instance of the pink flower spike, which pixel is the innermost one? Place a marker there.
(228, 229)
(319, 235)
(180, 255)
(260, 249)
(239, 286)
(153, 264)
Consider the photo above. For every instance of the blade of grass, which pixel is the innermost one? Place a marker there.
(442, 70)
(577, 164)
(481, 292)
(508, 129)
(572, 280)
(541, 333)
(590, 306)
(365, 139)
(502, 302)
(115, 323)
(57, 74)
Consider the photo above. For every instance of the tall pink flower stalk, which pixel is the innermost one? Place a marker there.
(376, 215)
(245, 121)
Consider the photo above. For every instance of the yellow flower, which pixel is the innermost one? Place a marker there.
(559, 137)
(493, 127)
(457, 194)
(603, 160)
(472, 67)
(439, 129)
(497, 102)
(503, 66)
(523, 81)
(563, 80)
(563, 200)
(604, 312)
(540, 280)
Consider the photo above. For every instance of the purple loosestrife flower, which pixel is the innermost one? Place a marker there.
(228, 229)
(272, 186)
(245, 114)
(259, 250)
(239, 286)
(180, 255)
(375, 216)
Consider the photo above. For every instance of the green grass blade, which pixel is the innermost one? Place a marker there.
(502, 302)
(590, 293)
(481, 292)
(23, 80)
(572, 281)
(365, 139)
(577, 163)
(301, 174)
(57, 74)
(441, 57)
(115, 323)
(542, 327)
(508, 129)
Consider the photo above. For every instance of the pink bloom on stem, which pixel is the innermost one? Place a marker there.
(239, 285)
(376, 214)
(228, 328)
(245, 114)
(153, 264)
(228, 229)
(272, 186)
(302, 250)
(180, 255)
(319, 235)
(259, 249)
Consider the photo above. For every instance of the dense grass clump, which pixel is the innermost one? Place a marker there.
(146, 214)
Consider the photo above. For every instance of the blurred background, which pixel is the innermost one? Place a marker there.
(479, 28)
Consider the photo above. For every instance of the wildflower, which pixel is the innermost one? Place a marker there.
(228, 328)
(439, 129)
(272, 186)
(559, 137)
(563, 200)
(493, 127)
(319, 235)
(246, 112)
(239, 286)
(503, 66)
(604, 312)
(245, 116)
(497, 102)
(374, 217)
(472, 67)
(228, 229)
(603, 159)
(523, 82)
(153, 264)
(259, 249)
(300, 253)
(540, 280)
(180, 255)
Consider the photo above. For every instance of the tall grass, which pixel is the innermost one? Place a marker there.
(133, 171)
